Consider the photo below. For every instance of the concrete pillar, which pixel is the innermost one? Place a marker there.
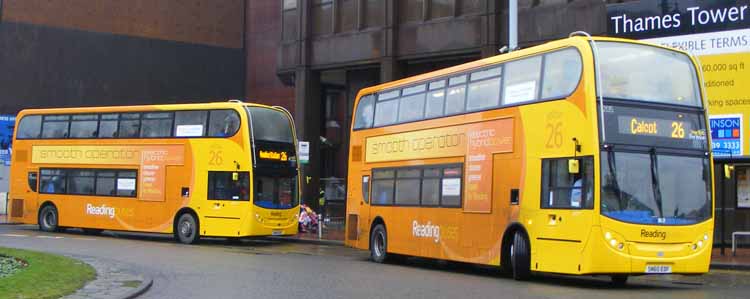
(494, 36)
(390, 68)
(307, 93)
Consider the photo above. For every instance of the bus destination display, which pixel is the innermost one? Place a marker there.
(666, 128)
(655, 128)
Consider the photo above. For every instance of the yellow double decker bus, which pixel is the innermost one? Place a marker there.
(214, 169)
(578, 156)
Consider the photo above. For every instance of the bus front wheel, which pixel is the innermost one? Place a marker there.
(520, 257)
(48, 219)
(186, 230)
(379, 244)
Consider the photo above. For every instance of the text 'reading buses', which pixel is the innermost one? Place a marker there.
(218, 169)
(515, 161)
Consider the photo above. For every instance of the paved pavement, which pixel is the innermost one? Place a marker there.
(113, 280)
(272, 269)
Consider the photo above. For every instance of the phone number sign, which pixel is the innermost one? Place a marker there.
(726, 135)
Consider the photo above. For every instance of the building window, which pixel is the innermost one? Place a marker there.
(470, 7)
(322, 16)
(441, 8)
(374, 13)
(411, 11)
(347, 15)
(290, 20)
(743, 187)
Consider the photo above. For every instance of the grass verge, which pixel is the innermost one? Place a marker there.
(46, 276)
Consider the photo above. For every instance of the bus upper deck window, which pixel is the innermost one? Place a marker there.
(223, 123)
(364, 116)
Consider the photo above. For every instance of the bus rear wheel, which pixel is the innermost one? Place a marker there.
(187, 230)
(379, 244)
(520, 257)
(48, 219)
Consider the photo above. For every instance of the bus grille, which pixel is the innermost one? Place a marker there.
(351, 227)
(16, 208)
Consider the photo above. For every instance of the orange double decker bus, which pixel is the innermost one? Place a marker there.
(579, 156)
(215, 169)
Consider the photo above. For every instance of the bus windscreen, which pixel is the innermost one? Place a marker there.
(647, 73)
(275, 175)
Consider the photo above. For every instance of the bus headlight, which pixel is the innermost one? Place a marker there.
(613, 242)
(705, 237)
(700, 243)
(259, 218)
(608, 236)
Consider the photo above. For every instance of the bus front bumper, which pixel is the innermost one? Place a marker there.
(614, 255)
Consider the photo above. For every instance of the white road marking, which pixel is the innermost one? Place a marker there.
(84, 239)
(49, 237)
(13, 235)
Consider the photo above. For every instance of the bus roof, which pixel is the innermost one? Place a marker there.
(577, 41)
(135, 108)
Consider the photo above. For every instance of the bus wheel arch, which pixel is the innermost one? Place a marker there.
(48, 217)
(186, 226)
(516, 233)
(378, 240)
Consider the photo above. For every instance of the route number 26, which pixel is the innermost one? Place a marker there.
(215, 158)
(678, 131)
(554, 135)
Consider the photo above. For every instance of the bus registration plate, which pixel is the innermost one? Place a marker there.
(658, 269)
(276, 232)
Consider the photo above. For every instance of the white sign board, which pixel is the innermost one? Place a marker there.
(189, 131)
(126, 184)
(452, 187)
(304, 152)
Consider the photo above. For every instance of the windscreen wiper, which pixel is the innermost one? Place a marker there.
(655, 181)
(613, 172)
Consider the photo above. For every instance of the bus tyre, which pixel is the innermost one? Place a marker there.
(619, 280)
(187, 231)
(520, 257)
(379, 244)
(48, 219)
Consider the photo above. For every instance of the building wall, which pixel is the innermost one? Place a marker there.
(387, 40)
(57, 53)
(263, 35)
(209, 22)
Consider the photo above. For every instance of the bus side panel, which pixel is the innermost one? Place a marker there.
(507, 179)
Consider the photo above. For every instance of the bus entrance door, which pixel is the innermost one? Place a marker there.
(563, 223)
(358, 211)
(21, 199)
